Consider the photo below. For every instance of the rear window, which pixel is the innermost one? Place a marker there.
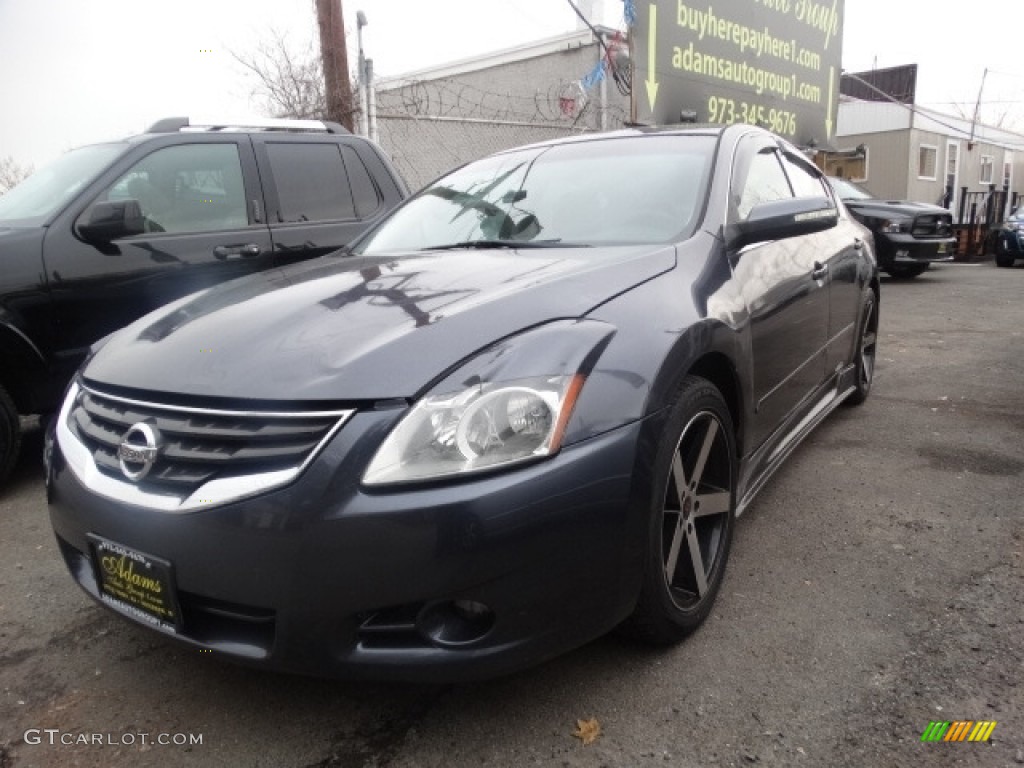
(311, 182)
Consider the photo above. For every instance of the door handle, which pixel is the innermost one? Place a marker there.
(819, 271)
(246, 251)
(858, 243)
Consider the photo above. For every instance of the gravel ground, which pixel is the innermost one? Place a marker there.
(875, 585)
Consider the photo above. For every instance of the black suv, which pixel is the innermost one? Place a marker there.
(111, 231)
(908, 236)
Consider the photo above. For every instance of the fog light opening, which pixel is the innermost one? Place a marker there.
(455, 623)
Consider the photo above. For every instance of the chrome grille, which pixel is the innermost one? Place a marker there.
(228, 453)
(933, 225)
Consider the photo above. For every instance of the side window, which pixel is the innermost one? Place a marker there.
(364, 192)
(311, 182)
(805, 182)
(765, 181)
(186, 188)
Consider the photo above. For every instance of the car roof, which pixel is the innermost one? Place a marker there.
(688, 129)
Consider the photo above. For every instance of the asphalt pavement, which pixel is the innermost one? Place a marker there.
(875, 586)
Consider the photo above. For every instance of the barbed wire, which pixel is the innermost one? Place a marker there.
(565, 101)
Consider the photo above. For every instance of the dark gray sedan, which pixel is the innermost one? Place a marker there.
(524, 410)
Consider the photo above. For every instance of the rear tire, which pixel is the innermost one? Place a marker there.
(867, 343)
(691, 519)
(10, 435)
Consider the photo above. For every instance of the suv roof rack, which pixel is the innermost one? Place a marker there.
(175, 124)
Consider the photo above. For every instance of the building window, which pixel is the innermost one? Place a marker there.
(1007, 173)
(986, 169)
(927, 158)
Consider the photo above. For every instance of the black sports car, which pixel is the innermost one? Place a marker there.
(524, 410)
(908, 236)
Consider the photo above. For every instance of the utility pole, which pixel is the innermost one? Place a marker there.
(364, 102)
(335, 59)
(977, 110)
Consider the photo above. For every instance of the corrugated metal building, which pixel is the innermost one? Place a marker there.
(918, 154)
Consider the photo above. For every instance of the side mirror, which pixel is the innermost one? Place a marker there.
(780, 219)
(111, 220)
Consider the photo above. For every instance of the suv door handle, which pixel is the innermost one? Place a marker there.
(248, 250)
(819, 271)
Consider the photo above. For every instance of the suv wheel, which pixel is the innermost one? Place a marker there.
(1003, 256)
(10, 434)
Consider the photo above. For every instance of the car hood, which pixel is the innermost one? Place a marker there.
(360, 328)
(895, 207)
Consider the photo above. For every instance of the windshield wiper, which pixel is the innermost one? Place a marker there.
(513, 244)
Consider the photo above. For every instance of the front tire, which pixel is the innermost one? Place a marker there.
(10, 435)
(692, 519)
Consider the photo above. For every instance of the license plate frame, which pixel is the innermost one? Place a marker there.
(136, 583)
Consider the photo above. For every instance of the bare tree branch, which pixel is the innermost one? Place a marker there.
(12, 174)
(289, 84)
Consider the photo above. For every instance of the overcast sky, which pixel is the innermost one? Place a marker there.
(74, 72)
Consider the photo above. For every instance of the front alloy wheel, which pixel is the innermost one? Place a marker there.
(691, 527)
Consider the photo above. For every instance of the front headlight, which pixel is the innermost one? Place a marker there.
(509, 404)
(895, 226)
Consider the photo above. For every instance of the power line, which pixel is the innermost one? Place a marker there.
(928, 115)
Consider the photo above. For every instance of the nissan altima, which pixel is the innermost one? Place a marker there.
(524, 410)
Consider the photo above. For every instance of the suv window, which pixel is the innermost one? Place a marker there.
(367, 199)
(311, 182)
(187, 188)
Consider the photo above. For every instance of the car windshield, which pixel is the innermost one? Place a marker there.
(640, 189)
(847, 190)
(43, 193)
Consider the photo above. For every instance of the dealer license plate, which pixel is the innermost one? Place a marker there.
(942, 247)
(137, 583)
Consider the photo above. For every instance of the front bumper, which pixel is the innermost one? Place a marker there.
(324, 577)
(907, 249)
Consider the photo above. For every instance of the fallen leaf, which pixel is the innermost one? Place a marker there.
(587, 731)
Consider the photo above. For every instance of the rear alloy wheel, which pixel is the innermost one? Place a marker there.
(867, 343)
(692, 522)
(906, 271)
(10, 435)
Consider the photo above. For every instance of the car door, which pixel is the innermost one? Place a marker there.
(320, 195)
(839, 248)
(785, 288)
(197, 201)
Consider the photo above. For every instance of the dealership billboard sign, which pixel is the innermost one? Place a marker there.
(774, 63)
